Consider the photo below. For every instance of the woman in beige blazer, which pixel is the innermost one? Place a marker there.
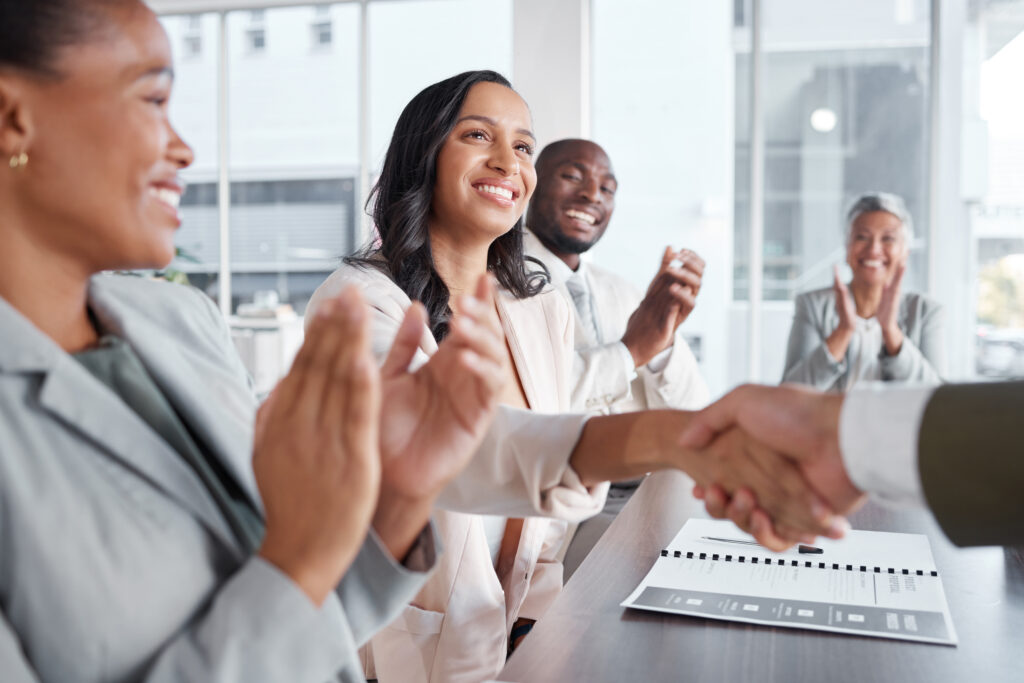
(496, 573)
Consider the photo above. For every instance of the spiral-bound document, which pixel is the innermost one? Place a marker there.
(871, 583)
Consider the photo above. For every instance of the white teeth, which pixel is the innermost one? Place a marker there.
(585, 217)
(500, 191)
(167, 196)
(872, 263)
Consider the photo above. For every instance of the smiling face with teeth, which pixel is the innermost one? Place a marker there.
(877, 245)
(575, 198)
(101, 189)
(484, 169)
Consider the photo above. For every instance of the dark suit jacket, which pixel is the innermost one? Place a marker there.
(971, 458)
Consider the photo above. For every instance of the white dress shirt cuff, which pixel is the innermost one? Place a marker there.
(878, 432)
(660, 361)
(627, 361)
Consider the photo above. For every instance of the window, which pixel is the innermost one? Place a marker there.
(294, 155)
(662, 110)
(997, 204)
(193, 111)
(845, 110)
(397, 32)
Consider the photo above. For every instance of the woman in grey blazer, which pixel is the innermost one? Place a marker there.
(868, 330)
(146, 533)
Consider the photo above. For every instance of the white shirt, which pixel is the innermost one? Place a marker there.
(878, 435)
(581, 275)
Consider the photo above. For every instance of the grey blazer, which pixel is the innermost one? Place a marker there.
(115, 564)
(921, 358)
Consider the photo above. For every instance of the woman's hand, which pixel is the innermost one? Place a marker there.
(888, 310)
(316, 454)
(435, 418)
(839, 340)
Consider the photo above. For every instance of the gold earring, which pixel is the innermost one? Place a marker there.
(19, 161)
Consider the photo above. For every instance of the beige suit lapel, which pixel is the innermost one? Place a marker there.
(529, 337)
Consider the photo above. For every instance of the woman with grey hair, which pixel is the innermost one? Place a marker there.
(868, 330)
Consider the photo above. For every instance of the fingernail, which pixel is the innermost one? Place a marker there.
(741, 503)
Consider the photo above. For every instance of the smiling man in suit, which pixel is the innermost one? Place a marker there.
(630, 354)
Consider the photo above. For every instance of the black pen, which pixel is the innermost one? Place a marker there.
(803, 549)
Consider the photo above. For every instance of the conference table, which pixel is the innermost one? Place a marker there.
(587, 636)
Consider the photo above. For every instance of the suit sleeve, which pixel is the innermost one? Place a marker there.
(808, 360)
(601, 376)
(679, 383)
(14, 667)
(261, 627)
(923, 363)
(970, 462)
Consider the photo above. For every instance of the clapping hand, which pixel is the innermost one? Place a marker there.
(888, 309)
(670, 298)
(799, 423)
(436, 417)
(316, 456)
(846, 309)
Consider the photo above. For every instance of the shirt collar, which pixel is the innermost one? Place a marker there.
(556, 266)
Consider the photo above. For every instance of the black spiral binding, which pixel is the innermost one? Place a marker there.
(753, 559)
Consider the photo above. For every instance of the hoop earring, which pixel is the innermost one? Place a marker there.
(19, 161)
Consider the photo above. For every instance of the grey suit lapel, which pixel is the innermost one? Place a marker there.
(81, 402)
(76, 399)
(201, 388)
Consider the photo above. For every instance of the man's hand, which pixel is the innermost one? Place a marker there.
(670, 298)
(797, 422)
(316, 456)
(435, 418)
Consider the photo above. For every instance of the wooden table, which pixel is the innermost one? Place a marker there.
(586, 636)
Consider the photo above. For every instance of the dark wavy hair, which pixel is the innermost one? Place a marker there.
(402, 198)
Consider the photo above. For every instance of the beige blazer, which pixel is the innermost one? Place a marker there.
(457, 627)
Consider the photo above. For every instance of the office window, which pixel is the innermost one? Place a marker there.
(193, 112)
(845, 100)
(662, 98)
(405, 58)
(294, 165)
(995, 155)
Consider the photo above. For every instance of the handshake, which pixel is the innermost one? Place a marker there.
(775, 468)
